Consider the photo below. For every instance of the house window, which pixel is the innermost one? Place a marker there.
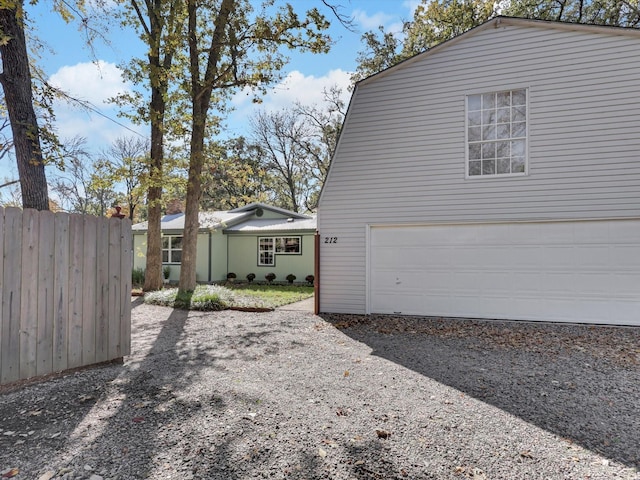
(269, 247)
(172, 249)
(497, 133)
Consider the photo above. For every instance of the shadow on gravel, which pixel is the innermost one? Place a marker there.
(558, 385)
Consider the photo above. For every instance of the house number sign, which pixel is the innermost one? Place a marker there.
(330, 239)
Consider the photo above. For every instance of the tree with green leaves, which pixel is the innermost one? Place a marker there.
(233, 176)
(230, 47)
(161, 24)
(617, 13)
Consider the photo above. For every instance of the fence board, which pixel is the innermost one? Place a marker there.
(29, 294)
(11, 295)
(102, 292)
(126, 266)
(45, 294)
(89, 290)
(60, 292)
(76, 252)
(115, 228)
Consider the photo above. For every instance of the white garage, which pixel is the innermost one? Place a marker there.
(578, 271)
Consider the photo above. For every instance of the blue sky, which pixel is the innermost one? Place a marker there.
(69, 65)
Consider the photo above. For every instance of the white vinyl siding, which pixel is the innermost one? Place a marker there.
(401, 157)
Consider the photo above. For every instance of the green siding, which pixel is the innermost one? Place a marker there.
(243, 258)
(139, 251)
(218, 256)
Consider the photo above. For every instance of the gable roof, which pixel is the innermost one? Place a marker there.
(229, 218)
(256, 205)
(500, 20)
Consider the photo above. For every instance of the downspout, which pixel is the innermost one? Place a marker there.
(316, 274)
(210, 251)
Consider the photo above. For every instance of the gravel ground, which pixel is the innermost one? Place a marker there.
(290, 395)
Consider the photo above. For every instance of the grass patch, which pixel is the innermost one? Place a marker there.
(218, 297)
(274, 295)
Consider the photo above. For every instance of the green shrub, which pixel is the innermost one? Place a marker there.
(291, 277)
(310, 279)
(137, 277)
(231, 276)
(270, 277)
(166, 271)
(251, 277)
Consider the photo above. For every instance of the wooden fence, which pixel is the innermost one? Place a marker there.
(65, 289)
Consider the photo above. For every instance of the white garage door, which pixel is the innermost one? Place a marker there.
(557, 271)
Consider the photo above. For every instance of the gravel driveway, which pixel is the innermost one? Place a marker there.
(289, 395)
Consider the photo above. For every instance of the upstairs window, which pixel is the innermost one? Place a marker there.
(497, 133)
(172, 249)
(269, 247)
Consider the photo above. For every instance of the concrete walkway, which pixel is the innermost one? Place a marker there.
(302, 306)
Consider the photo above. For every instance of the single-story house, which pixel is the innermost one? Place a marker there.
(256, 238)
(496, 175)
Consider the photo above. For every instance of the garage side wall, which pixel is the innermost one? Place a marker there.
(401, 156)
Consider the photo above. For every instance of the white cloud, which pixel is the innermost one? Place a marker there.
(91, 82)
(411, 5)
(305, 89)
(372, 22)
(94, 83)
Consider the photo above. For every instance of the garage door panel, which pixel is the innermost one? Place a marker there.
(561, 271)
(625, 257)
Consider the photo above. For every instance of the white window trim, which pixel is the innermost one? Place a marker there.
(466, 136)
(274, 251)
(170, 249)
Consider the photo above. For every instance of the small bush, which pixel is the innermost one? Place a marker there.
(270, 277)
(251, 277)
(231, 276)
(137, 276)
(310, 279)
(291, 277)
(166, 271)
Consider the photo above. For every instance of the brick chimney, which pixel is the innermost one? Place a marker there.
(174, 206)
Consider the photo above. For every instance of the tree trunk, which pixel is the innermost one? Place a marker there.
(16, 83)
(153, 279)
(192, 207)
(200, 103)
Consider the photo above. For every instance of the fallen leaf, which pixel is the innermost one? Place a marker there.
(526, 454)
(322, 453)
(346, 373)
(383, 434)
(137, 419)
(11, 473)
